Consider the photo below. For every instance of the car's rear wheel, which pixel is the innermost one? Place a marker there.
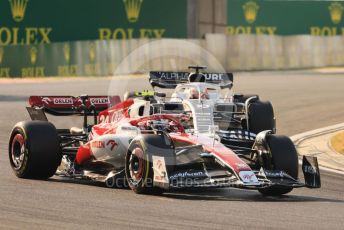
(284, 157)
(261, 117)
(34, 150)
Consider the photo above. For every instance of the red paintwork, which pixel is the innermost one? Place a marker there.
(112, 144)
(84, 154)
(110, 119)
(119, 115)
(115, 113)
(226, 155)
(69, 102)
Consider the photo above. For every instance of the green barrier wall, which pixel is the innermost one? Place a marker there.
(45, 21)
(280, 17)
(81, 58)
(236, 52)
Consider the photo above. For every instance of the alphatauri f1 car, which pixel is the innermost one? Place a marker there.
(154, 143)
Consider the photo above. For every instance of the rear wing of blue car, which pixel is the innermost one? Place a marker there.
(169, 80)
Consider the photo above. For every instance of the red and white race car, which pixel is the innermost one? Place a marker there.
(129, 143)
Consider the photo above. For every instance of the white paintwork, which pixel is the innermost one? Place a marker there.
(202, 112)
(110, 148)
(248, 177)
(138, 103)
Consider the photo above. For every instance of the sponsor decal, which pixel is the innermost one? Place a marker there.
(183, 76)
(21, 30)
(220, 162)
(250, 11)
(46, 100)
(133, 9)
(159, 164)
(275, 174)
(187, 174)
(248, 177)
(63, 101)
(250, 14)
(92, 51)
(66, 52)
(115, 116)
(278, 174)
(309, 169)
(174, 76)
(112, 144)
(104, 119)
(98, 144)
(336, 12)
(1, 54)
(33, 55)
(18, 9)
(68, 69)
(240, 134)
(214, 76)
(99, 101)
(159, 168)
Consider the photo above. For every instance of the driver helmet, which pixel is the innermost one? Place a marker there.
(194, 94)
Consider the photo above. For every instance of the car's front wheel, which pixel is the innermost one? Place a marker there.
(284, 157)
(139, 161)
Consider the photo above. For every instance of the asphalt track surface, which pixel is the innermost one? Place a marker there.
(302, 100)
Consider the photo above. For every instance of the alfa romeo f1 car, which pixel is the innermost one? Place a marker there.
(154, 143)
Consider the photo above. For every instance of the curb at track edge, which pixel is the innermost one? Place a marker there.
(299, 138)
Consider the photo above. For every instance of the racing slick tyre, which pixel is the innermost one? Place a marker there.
(284, 157)
(138, 162)
(261, 117)
(34, 150)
